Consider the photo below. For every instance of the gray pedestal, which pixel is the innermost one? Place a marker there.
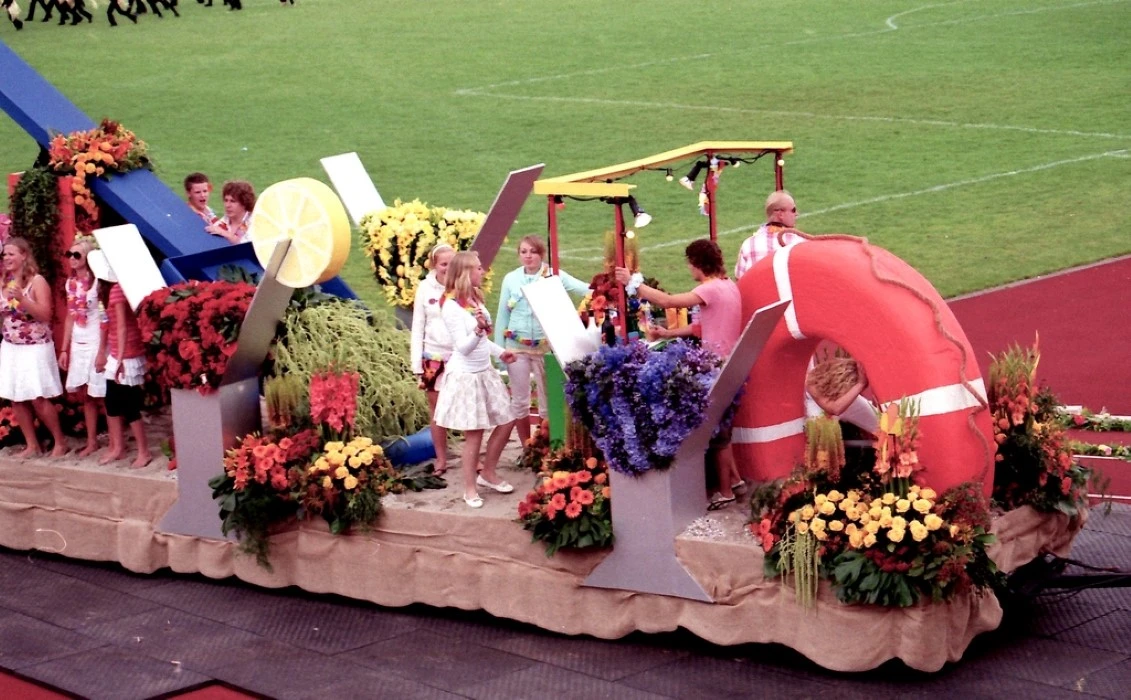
(205, 426)
(649, 511)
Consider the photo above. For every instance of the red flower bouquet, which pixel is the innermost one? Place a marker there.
(190, 331)
(333, 401)
(1035, 465)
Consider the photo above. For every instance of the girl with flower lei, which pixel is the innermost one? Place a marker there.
(518, 331)
(472, 396)
(82, 335)
(430, 345)
(29, 374)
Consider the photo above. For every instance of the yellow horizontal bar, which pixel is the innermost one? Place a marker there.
(695, 149)
(582, 189)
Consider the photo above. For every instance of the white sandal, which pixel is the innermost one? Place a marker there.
(474, 502)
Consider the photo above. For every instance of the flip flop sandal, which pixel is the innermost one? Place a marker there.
(720, 502)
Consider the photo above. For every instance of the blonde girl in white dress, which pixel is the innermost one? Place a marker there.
(472, 396)
(82, 334)
(29, 373)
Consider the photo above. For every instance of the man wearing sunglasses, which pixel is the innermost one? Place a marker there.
(781, 213)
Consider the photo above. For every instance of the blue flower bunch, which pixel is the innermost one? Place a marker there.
(640, 405)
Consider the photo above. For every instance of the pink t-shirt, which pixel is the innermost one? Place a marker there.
(720, 315)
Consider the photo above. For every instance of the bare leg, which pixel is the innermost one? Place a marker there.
(26, 420)
(90, 417)
(472, 439)
(50, 418)
(495, 445)
(117, 448)
(726, 470)
(144, 456)
(439, 435)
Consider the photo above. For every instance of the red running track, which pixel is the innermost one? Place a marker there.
(1083, 316)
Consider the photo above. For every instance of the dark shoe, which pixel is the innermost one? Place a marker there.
(19, 24)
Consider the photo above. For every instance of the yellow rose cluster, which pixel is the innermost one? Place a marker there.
(342, 464)
(398, 239)
(865, 522)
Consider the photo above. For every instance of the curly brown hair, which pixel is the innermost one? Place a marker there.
(706, 256)
(241, 191)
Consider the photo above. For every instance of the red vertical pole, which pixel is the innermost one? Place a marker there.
(622, 305)
(552, 224)
(779, 172)
(710, 186)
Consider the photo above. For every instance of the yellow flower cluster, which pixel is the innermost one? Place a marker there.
(344, 462)
(863, 522)
(398, 239)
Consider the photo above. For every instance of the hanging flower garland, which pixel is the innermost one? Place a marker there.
(106, 149)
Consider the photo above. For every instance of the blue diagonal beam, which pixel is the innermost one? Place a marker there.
(163, 219)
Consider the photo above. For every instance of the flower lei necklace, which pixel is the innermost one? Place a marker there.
(543, 271)
(77, 301)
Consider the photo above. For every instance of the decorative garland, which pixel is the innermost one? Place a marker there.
(104, 150)
(35, 217)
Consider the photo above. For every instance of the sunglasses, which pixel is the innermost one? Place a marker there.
(73, 254)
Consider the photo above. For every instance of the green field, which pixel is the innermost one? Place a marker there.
(982, 141)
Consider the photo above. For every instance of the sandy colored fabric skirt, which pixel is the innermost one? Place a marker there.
(29, 372)
(475, 401)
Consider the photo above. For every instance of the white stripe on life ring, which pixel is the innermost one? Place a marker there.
(950, 398)
(932, 402)
(770, 432)
(785, 290)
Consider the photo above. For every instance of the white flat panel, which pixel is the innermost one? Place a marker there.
(554, 309)
(128, 256)
(354, 185)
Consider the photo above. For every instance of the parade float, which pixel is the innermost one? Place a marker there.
(289, 491)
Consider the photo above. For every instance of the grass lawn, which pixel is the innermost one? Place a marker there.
(982, 141)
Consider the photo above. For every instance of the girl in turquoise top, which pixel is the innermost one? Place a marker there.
(517, 330)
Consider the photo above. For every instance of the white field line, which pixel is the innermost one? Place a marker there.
(890, 26)
(574, 253)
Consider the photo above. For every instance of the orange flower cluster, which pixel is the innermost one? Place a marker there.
(264, 461)
(569, 507)
(108, 148)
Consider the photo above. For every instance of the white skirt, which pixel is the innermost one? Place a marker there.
(133, 370)
(80, 370)
(475, 401)
(29, 372)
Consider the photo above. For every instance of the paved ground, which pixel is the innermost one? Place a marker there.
(101, 632)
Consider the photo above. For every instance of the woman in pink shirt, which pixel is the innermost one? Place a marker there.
(719, 326)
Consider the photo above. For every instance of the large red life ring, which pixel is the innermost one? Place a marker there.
(888, 316)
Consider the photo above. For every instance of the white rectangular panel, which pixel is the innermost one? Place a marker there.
(354, 185)
(554, 309)
(131, 262)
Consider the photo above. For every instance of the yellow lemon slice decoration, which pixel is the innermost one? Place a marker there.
(308, 213)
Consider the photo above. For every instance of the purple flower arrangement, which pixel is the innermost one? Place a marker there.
(640, 405)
